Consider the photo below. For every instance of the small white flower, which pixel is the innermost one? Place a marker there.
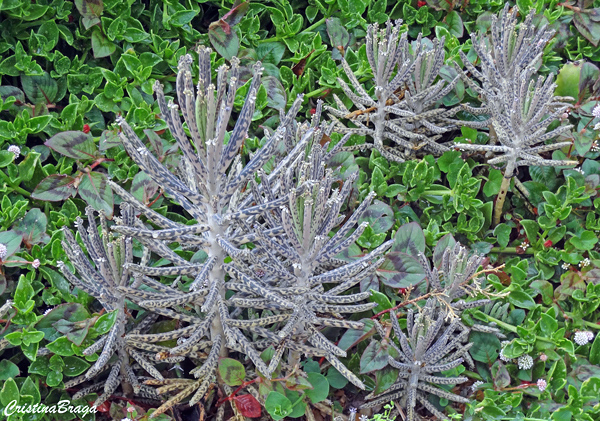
(595, 147)
(353, 411)
(596, 111)
(579, 170)
(475, 386)
(597, 126)
(15, 149)
(543, 357)
(48, 310)
(363, 418)
(541, 384)
(565, 266)
(3, 251)
(525, 362)
(36, 263)
(585, 262)
(583, 337)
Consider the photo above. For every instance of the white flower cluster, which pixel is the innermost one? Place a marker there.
(36, 263)
(583, 337)
(596, 111)
(541, 384)
(585, 262)
(502, 356)
(580, 171)
(543, 357)
(525, 362)
(565, 266)
(3, 251)
(15, 149)
(476, 385)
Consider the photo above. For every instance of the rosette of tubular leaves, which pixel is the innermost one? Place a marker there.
(295, 278)
(436, 338)
(227, 209)
(520, 105)
(406, 106)
(107, 278)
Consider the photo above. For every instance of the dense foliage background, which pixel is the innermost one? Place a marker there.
(75, 66)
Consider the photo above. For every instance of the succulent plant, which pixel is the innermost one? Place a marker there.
(407, 94)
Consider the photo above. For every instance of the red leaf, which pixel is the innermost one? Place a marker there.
(247, 405)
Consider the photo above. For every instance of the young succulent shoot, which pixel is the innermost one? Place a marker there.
(519, 105)
(406, 107)
(104, 280)
(431, 345)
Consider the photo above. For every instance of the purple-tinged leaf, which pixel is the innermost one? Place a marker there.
(338, 34)
(75, 331)
(588, 23)
(380, 217)
(500, 375)
(237, 12)
(109, 139)
(374, 357)
(73, 144)
(409, 239)
(33, 227)
(41, 89)
(71, 311)
(54, 188)
(352, 336)
(8, 91)
(143, 188)
(90, 10)
(446, 242)
(400, 270)
(276, 96)
(95, 191)
(224, 39)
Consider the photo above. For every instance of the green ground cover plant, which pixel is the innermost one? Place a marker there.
(315, 210)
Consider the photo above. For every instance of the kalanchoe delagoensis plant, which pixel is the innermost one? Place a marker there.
(407, 107)
(436, 339)
(287, 214)
(519, 106)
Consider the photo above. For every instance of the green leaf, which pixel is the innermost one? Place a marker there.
(567, 83)
(380, 217)
(183, 17)
(276, 94)
(9, 392)
(73, 144)
(336, 379)
(12, 241)
(502, 233)
(74, 366)
(595, 352)
(105, 322)
(585, 241)
(61, 346)
(485, 347)
(381, 299)
(97, 193)
(31, 389)
(270, 52)
(500, 375)
(6, 157)
(231, 371)
(521, 299)
(384, 379)
(320, 389)
(101, 46)
(338, 34)
(455, 24)
(277, 405)
(8, 369)
(492, 186)
(23, 293)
